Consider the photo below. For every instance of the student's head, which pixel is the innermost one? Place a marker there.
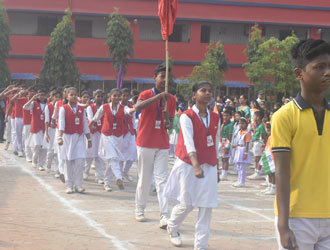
(243, 100)
(202, 92)
(258, 115)
(134, 99)
(268, 128)
(266, 117)
(219, 99)
(226, 115)
(32, 91)
(261, 95)
(85, 97)
(277, 106)
(71, 95)
(179, 98)
(57, 95)
(238, 115)
(311, 62)
(42, 95)
(262, 105)
(125, 96)
(159, 76)
(190, 103)
(98, 96)
(243, 123)
(115, 95)
(134, 92)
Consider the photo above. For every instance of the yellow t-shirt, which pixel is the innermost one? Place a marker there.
(295, 130)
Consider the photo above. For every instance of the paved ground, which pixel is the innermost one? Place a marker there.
(36, 213)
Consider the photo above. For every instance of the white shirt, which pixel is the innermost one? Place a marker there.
(62, 120)
(30, 107)
(100, 112)
(187, 130)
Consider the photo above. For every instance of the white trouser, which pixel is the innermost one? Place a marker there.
(99, 167)
(112, 167)
(151, 161)
(202, 227)
(19, 133)
(25, 138)
(73, 172)
(50, 156)
(125, 166)
(61, 164)
(39, 156)
(13, 134)
(8, 130)
(310, 233)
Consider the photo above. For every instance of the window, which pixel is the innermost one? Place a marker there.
(177, 34)
(284, 34)
(205, 34)
(46, 25)
(84, 28)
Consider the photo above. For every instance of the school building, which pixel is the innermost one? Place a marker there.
(198, 23)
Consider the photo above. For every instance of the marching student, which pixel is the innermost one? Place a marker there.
(37, 104)
(193, 180)
(226, 136)
(259, 140)
(242, 153)
(50, 131)
(73, 125)
(95, 131)
(129, 150)
(111, 142)
(27, 117)
(85, 98)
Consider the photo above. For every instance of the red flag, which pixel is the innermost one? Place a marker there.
(167, 10)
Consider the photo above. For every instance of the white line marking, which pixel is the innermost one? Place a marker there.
(90, 222)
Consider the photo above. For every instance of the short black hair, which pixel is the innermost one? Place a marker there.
(260, 114)
(306, 50)
(160, 68)
(199, 84)
(84, 92)
(125, 90)
(227, 111)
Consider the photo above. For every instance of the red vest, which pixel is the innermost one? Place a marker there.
(36, 123)
(19, 103)
(107, 127)
(98, 127)
(27, 117)
(59, 104)
(128, 123)
(70, 118)
(204, 153)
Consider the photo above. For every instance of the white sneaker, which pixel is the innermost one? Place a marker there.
(238, 184)
(128, 178)
(41, 168)
(163, 222)
(271, 191)
(69, 191)
(80, 190)
(28, 160)
(255, 176)
(7, 146)
(175, 238)
(265, 190)
(21, 154)
(34, 165)
(85, 176)
(107, 188)
(140, 217)
(264, 184)
(223, 178)
(99, 181)
(57, 175)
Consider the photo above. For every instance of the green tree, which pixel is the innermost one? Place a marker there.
(120, 40)
(4, 46)
(59, 67)
(213, 66)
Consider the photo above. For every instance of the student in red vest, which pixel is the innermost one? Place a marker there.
(111, 142)
(153, 144)
(18, 101)
(129, 150)
(54, 121)
(92, 153)
(6, 95)
(193, 180)
(27, 117)
(55, 96)
(38, 104)
(73, 126)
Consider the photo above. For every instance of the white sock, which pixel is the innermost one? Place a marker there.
(224, 173)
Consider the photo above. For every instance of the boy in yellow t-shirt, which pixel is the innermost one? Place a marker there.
(300, 144)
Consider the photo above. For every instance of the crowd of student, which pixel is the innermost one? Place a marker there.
(70, 132)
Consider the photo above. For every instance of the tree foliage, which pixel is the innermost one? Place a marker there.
(213, 66)
(120, 40)
(59, 67)
(4, 46)
(269, 65)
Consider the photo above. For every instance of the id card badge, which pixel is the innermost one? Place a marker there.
(114, 126)
(42, 117)
(157, 124)
(223, 140)
(98, 123)
(77, 121)
(209, 141)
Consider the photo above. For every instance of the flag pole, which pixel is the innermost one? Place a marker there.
(167, 70)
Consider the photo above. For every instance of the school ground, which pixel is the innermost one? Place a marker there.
(36, 213)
